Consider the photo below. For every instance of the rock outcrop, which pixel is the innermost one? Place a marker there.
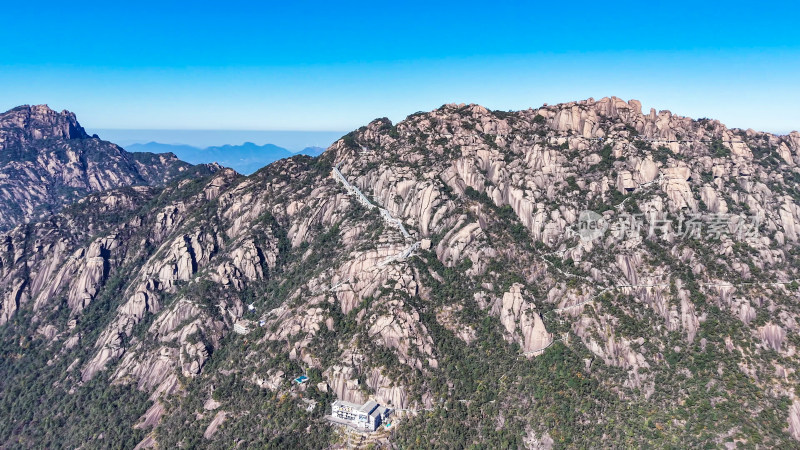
(441, 263)
(48, 161)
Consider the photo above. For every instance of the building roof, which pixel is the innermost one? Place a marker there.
(346, 403)
(369, 406)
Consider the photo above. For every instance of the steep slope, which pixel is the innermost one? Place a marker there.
(444, 266)
(47, 161)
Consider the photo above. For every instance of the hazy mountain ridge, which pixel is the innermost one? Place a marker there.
(245, 158)
(48, 161)
(502, 328)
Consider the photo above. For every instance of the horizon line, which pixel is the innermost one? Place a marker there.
(219, 129)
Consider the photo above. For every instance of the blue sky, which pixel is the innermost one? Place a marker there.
(337, 65)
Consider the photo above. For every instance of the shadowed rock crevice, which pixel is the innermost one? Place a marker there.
(465, 297)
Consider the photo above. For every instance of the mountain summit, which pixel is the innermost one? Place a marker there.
(48, 161)
(26, 123)
(576, 275)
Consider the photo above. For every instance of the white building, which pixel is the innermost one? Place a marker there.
(368, 416)
(242, 327)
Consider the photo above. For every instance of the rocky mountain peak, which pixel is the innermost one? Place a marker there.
(581, 125)
(586, 272)
(48, 161)
(40, 122)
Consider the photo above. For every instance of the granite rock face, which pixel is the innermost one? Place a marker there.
(450, 247)
(48, 161)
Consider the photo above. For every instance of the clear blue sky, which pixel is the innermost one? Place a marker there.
(328, 65)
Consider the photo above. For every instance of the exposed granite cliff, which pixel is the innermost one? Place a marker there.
(48, 161)
(447, 278)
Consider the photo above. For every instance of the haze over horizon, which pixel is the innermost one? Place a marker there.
(241, 67)
(294, 141)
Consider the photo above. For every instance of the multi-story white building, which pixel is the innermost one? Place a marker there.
(368, 416)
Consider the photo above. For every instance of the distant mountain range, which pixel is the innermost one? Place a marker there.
(245, 158)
